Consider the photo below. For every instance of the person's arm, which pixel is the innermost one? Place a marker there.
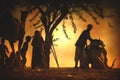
(89, 37)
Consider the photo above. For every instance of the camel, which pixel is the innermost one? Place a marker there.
(97, 55)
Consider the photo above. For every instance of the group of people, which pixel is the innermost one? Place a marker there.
(17, 59)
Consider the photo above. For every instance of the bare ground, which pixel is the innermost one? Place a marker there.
(61, 74)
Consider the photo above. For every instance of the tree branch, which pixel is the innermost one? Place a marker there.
(63, 14)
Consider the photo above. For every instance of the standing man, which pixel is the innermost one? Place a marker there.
(80, 47)
(24, 50)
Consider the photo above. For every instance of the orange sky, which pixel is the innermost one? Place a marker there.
(66, 49)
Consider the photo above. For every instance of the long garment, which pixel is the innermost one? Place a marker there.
(37, 55)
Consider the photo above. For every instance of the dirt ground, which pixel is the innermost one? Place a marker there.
(61, 74)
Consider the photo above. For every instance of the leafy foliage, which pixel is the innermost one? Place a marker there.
(54, 11)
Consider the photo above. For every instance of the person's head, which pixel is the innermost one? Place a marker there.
(37, 33)
(28, 38)
(89, 27)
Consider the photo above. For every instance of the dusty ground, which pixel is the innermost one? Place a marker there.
(61, 74)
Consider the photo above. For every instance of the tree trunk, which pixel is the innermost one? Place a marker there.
(47, 47)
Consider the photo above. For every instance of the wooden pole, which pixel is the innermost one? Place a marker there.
(54, 54)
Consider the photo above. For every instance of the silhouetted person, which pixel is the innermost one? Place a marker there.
(3, 51)
(24, 50)
(37, 54)
(80, 47)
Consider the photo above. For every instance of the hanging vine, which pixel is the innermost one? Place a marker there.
(64, 29)
(73, 24)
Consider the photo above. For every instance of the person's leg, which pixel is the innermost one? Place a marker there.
(76, 64)
(83, 61)
(24, 61)
(76, 57)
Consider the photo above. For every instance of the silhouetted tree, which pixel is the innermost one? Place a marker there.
(54, 11)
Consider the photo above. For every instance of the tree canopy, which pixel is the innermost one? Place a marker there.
(53, 11)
